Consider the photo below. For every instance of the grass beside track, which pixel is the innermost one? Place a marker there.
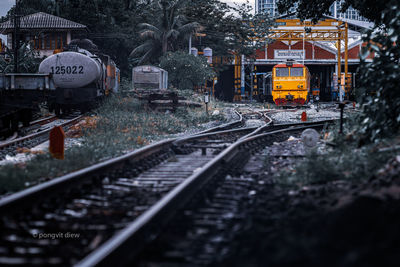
(346, 161)
(120, 125)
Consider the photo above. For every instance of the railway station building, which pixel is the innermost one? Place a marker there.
(45, 31)
(320, 57)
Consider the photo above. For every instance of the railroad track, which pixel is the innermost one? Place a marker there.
(240, 122)
(226, 126)
(148, 173)
(32, 140)
(205, 232)
(91, 216)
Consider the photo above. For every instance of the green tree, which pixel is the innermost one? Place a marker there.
(111, 23)
(314, 9)
(165, 35)
(186, 71)
(229, 29)
(381, 111)
(28, 60)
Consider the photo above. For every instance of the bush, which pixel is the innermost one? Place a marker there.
(186, 71)
(379, 79)
(28, 60)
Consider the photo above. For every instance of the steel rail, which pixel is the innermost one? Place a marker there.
(35, 193)
(36, 135)
(272, 127)
(43, 120)
(252, 130)
(42, 190)
(39, 191)
(131, 240)
(225, 126)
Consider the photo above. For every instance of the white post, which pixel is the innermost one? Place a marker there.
(190, 43)
(335, 9)
(68, 37)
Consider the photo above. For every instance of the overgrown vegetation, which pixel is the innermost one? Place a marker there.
(28, 60)
(342, 163)
(381, 109)
(119, 125)
(346, 160)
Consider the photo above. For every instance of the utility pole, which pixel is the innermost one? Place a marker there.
(16, 35)
(251, 78)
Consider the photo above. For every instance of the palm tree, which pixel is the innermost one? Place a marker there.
(166, 34)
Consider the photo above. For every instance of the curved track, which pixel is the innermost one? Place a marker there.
(119, 204)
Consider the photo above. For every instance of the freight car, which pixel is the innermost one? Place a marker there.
(20, 95)
(75, 78)
(290, 84)
(80, 78)
(149, 78)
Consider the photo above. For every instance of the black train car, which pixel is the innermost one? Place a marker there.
(224, 89)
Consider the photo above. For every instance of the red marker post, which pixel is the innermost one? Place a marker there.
(304, 116)
(56, 144)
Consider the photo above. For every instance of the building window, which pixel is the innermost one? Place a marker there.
(50, 41)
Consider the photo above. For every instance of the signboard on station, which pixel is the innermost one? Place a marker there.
(285, 54)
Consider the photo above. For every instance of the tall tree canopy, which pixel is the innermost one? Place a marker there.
(163, 36)
(314, 9)
(112, 24)
(228, 29)
(118, 27)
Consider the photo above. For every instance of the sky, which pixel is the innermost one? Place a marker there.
(5, 5)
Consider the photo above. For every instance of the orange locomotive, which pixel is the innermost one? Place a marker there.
(290, 84)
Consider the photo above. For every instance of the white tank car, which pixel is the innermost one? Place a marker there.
(79, 77)
(73, 69)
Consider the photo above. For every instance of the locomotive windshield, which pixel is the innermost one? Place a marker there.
(282, 72)
(296, 72)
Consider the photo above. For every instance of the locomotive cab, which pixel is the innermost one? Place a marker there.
(290, 83)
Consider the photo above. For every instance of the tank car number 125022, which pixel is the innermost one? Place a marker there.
(67, 70)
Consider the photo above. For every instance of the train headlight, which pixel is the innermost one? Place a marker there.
(298, 86)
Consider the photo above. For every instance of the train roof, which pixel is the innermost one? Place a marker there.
(294, 65)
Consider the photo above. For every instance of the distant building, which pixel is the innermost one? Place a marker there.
(45, 31)
(270, 7)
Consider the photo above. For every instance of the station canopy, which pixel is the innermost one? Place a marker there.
(323, 31)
